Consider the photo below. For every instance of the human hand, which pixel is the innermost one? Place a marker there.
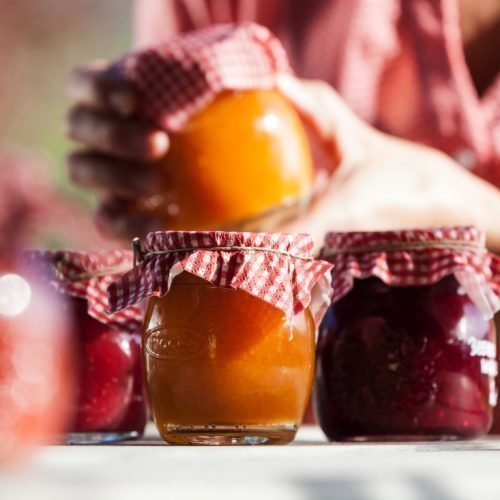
(383, 182)
(119, 150)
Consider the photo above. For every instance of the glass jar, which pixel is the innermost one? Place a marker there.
(495, 427)
(223, 367)
(110, 402)
(35, 363)
(107, 394)
(229, 332)
(240, 144)
(406, 351)
(239, 155)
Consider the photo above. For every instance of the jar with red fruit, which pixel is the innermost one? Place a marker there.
(407, 350)
(109, 402)
(495, 428)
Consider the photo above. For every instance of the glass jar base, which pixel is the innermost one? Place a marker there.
(99, 437)
(228, 435)
(400, 438)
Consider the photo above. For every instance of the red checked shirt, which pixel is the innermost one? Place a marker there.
(399, 64)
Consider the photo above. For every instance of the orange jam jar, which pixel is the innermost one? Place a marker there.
(239, 157)
(229, 333)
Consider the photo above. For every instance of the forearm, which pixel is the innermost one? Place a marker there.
(396, 184)
(439, 191)
(444, 193)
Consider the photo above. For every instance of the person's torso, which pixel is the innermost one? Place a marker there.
(399, 64)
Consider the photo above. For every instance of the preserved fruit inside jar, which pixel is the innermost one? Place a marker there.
(224, 367)
(241, 162)
(110, 403)
(413, 362)
(495, 428)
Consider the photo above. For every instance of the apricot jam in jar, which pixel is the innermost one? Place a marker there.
(239, 157)
(229, 333)
(407, 350)
(108, 398)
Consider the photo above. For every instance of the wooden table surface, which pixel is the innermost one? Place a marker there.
(310, 468)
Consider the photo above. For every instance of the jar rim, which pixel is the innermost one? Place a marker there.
(293, 245)
(458, 238)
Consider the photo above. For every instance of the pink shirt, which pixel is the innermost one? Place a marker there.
(399, 64)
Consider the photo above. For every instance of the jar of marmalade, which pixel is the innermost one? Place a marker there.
(239, 156)
(229, 333)
(108, 397)
(407, 351)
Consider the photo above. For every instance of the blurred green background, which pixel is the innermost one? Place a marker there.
(40, 41)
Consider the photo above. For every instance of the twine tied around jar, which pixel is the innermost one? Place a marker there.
(70, 276)
(87, 275)
(140, 254)
(460, 246)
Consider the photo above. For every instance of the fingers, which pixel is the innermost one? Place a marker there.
(125, 138)
(124, 179)
(118, 161)
(99, 86)
(120, 219)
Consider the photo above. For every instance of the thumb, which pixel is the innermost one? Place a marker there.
(323, 109)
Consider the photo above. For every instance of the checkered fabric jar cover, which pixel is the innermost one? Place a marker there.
(276, 268)
(416, 257)
(87, 275)
(180, 77)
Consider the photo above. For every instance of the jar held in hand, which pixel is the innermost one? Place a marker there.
(239, 156)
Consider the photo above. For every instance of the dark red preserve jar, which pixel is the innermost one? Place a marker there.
(407, 350)
(109, 401)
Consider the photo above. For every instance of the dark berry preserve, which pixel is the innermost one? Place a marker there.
(405, 362)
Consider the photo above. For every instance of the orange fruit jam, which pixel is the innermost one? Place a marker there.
(245, 155)
(224, 367)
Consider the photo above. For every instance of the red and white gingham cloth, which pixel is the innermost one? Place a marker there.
(87, 275)
(180, 77)
(416, 257)
(276, 268)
